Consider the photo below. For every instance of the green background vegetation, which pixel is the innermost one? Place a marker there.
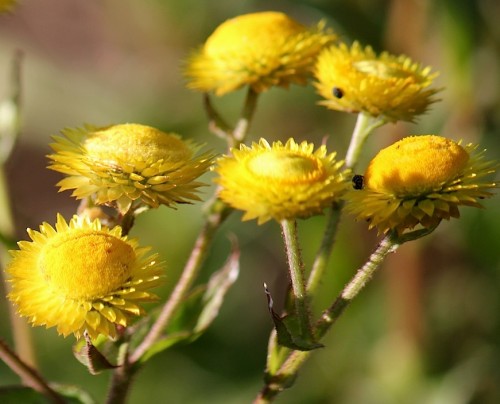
(427, 329)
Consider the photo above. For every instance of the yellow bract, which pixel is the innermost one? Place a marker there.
(282, 181)
(260, 50)
(122, 164)
(81, 277)
(420, 180)
(356, 80)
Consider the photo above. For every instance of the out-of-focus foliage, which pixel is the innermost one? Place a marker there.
(426, 330)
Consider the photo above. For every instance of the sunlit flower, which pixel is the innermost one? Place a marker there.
(280, 181)
(81, 276)
(261, 50)
(357, 80)
(420, 180)
(129, 162)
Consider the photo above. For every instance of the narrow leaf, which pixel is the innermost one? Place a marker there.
(200, 308)
(286, 329)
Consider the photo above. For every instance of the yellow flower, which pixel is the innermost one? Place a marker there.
(280, 181)
(126, 163)
(420, 180)
(357, 80)
(7, 5)
(81, 276)
(260, 50)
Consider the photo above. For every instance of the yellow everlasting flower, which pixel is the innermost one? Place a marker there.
(280, 181)
(261, 50)
(357, 80)
(126, 163)
(81, 276)
(420, 180)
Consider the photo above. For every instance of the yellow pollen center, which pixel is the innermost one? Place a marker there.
(380, 69)
(415, 165)
(129, 143)
(256, 30)
(284, 166)
(86, 264)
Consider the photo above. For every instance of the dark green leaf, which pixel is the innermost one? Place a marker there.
(287, 329)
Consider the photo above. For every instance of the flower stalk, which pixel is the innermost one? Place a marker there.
(296, 271)
(365, 124)
(285, 375)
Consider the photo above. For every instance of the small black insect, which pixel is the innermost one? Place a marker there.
(337, 92)
(357, 181)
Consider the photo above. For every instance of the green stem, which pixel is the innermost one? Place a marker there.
(216, 124)
(296, 270)
(218, 213)
(325, 250)
(220, 128)
(284, 377)
(365, 124)
(241, 130)
(28, 374)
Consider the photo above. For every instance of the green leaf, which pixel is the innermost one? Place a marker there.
(287, 329)
(26, 395)
(21, 394)
(200, 308)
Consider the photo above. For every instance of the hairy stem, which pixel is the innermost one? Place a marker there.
(288, 370)
(296, 270)
(365, 124)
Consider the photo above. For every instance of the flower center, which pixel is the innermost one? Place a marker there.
(86, 264)
(251, 30)
(285, 167)
(380, 69)
(416, 165)
(131, 143)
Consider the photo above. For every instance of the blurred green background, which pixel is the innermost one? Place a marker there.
(426, 330)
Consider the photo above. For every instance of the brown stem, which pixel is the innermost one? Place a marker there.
(28, 375)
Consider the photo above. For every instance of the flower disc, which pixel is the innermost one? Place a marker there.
(420, 180)
(357, 80)
(260, 50)
(81, 277)
(120, 164)
(280, 181)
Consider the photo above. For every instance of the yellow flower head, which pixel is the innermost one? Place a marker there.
(121, 164)
(260, 50)
(280, 181)
(357, 80)
(81, 277)
(7, 5)
(420, 180)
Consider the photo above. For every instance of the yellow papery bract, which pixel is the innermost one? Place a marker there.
(81, 277)
(282, 181)
(420, 180)
(357, 80)
(130, 163)
(260, 50)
